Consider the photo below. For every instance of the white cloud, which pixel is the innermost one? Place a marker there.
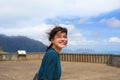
(114, 40)
(36, 32)
(39, 32)
(27, 17)
(112, 22)
(43, 9)
(76, 37)
(90, 7)
(82, 20)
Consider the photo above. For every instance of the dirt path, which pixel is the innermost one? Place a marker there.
(25, 70)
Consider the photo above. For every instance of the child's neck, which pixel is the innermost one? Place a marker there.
(57, 49)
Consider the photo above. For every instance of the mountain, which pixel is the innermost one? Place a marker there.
(14, 43)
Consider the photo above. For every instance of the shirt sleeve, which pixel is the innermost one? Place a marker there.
(49, 67)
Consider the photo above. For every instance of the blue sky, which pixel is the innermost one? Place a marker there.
(92, 24)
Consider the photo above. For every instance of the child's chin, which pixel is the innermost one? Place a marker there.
(62, 46)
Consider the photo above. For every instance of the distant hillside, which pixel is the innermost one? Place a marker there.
(14, 43)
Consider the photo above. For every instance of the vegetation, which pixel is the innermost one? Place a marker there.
(2, 52)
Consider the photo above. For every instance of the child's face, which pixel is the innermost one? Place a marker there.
(60, 40)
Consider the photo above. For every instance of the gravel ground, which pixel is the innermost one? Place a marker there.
(25, 70)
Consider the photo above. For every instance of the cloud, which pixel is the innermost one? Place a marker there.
(114, 40)
(35, 11)
(39, 32)
(76, 37)
(28, 17)
(82, 21)
(112, 22)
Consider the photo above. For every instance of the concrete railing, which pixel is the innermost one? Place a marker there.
(90, 58)
(110, 59)
(15, 56)
(115, 60)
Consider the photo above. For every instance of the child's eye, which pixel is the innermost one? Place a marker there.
(65, 36)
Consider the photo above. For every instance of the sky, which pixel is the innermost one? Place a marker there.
(91, 24)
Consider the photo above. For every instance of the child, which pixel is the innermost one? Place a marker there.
(51, 67)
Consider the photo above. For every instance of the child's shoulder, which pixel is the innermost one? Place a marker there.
(51, 52)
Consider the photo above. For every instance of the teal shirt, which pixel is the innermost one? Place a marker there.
(50, 68)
